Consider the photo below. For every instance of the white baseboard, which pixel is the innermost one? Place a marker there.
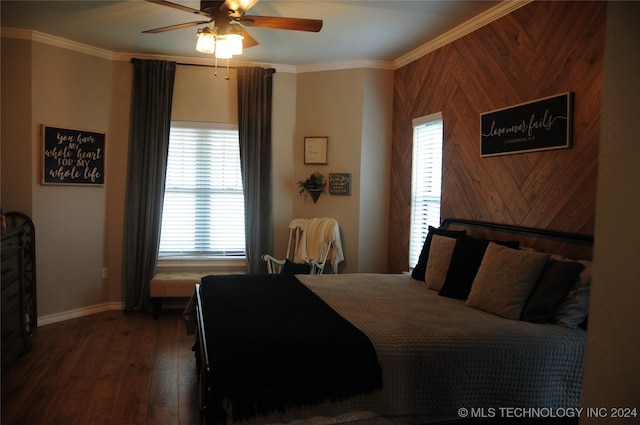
(79, 312)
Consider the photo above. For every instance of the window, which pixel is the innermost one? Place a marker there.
(426, 181)
(203, 213)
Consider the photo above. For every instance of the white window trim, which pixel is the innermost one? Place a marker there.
(417, 122)
(205, 124)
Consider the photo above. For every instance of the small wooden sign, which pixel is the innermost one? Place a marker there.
(533, 126)
(340, 184)
(71, 156)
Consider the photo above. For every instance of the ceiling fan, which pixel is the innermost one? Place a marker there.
(225, 14)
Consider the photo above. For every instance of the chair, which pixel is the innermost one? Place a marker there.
(312, 242)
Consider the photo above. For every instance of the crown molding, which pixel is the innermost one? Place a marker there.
(350, 64)
(17, 33)
(52, 40)
(473, 24)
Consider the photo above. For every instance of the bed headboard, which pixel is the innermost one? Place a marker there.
(572, 245)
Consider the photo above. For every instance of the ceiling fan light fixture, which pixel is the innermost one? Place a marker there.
(206, 40)
(234, 42)
(223, 48)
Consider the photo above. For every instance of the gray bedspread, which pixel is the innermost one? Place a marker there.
(438, 355)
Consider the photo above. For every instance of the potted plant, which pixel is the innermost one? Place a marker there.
(314, 184)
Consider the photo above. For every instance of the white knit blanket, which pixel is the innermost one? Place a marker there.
(320, 241)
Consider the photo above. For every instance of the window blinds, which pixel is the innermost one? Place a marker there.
(203, 211)
(426, 181)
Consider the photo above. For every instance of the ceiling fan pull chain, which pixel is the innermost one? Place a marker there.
(226, 77)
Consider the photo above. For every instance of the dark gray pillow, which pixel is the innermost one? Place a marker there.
(295, 268)
(550, 290)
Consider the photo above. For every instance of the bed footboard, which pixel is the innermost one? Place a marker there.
(202, 362)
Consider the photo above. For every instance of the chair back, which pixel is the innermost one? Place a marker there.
(311, 241)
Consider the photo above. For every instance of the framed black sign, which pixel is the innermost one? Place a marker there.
(533, 126)
(340, 184)
(71, 156)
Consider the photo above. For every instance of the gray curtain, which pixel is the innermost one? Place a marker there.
(254, 129)
(148, 151)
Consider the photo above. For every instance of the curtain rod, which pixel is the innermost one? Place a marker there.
(207, 66)
(216, 66)
(210, 66)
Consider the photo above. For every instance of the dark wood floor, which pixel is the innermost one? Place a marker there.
(114, 368)
(107, 368)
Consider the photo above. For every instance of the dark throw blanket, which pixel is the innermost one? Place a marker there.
(274, 344)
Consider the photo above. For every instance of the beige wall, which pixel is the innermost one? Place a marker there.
(375, 154)
(199, 95)
(284, 190)
(612, 374)
(17, 164)
(340, 105)
(69, 89)
(330, 104)
(116, 175)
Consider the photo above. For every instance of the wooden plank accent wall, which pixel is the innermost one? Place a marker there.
(539, 50)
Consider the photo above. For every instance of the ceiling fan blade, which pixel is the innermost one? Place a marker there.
(237, 8)
(179, 7)
(248, 40)
(296, 24)
(176, 27)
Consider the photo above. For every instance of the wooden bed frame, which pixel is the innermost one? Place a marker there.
(578, 246)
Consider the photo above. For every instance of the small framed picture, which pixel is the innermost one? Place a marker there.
(316, 150)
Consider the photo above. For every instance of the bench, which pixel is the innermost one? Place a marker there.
(172, 285)
(176, 285)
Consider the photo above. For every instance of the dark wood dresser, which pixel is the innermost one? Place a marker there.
(16, 338)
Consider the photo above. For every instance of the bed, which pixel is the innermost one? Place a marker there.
(410, 348)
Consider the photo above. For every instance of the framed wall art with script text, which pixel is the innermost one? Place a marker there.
(538, 125)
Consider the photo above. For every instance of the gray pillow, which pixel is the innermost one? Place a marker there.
(438, 263)
(505, 280)
(419, 270)
(573, 310)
